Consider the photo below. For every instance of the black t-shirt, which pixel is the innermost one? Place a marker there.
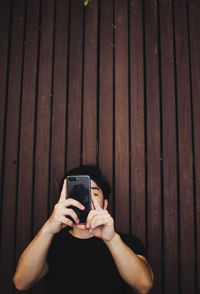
(85, 265)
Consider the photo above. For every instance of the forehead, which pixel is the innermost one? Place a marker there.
(95, 187)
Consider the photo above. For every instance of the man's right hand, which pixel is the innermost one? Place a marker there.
(59, 217)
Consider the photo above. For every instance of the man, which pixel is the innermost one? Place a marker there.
(90, 258)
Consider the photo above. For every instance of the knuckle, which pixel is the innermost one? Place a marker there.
(66, 202)
(94, 212)
(68, 221)
(72, 213)
(56, 206)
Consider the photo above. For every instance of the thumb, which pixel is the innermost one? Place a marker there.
(63, 193)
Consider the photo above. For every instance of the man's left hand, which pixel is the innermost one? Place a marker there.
(99, 222)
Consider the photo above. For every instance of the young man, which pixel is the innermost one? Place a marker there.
(90, 258)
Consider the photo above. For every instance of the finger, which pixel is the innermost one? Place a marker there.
(105, 204)
(73, 202)
(63, 193)
(70, 212)
(89, 217)
(99, 221)
(94, 213)
(96, 204)
(81, 226)
(66, 222)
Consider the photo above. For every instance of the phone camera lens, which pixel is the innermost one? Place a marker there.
(72, 179)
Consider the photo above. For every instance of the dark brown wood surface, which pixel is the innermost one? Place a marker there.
(74, 110)
(11, 156)
(59, 100)
(185, 157)
(169, 150)
(137, 122)
(89, 152)
(43, 115)
(5, 11)
(153, 140)
(27, 128)
(121, 124)
(43, 120)
(194, 25)
(115, 83)
(105, 109)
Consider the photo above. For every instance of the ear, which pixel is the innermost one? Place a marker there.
(105, 204)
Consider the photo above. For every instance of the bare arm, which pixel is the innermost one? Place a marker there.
(134, 269)
(32, 264)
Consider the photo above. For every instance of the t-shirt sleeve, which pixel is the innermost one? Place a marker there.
(135, 244)
(49, 255)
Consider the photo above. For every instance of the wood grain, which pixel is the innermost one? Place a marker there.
(11, 162)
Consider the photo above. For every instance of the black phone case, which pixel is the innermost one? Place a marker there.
(78, 188)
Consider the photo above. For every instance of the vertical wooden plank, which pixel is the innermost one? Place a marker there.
(121, 117)
(153, 142)
(194, 26)
(106, 92)
(170, 211)
(11, 148)
(4, 48)
(185, 150)
(42, 149)
(5, 20)
(138, 214)
(58, 137)
(25, 181)
(43, 115)
(90, 84)
(75, 85)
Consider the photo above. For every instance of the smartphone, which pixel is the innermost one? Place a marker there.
(78, 188)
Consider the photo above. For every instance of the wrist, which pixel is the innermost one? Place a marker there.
(114, 240)
(46, 230)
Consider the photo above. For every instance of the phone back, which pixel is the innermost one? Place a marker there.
(78, 188)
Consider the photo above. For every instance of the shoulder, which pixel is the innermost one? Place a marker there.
(134, 243)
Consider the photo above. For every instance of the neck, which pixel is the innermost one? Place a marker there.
(80, 232)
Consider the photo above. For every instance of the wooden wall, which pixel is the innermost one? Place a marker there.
(114, 83)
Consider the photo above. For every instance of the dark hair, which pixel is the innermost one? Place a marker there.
(95, 174)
